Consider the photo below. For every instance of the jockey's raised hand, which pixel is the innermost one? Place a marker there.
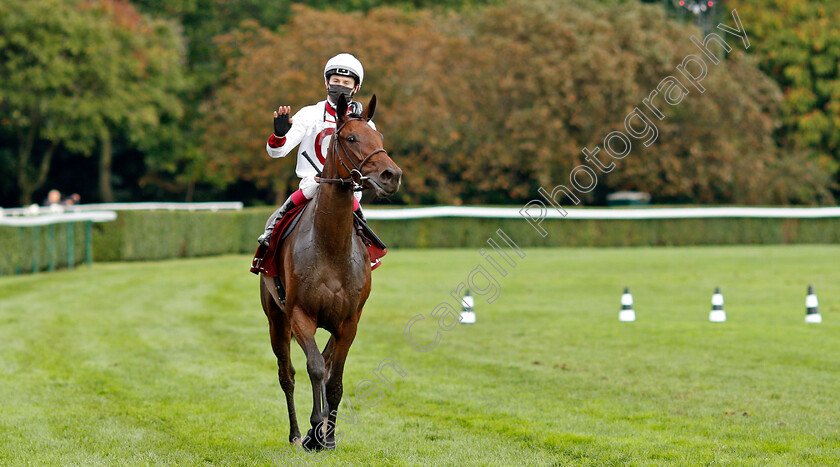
(282, 122)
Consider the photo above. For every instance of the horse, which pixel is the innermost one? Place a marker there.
(325, 271)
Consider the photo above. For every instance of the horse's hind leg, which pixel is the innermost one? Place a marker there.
(279, 328)
(286, 373)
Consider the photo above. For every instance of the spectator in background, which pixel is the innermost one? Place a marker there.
(71, 200)
(53, 197)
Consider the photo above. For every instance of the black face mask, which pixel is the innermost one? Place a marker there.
(337, 90)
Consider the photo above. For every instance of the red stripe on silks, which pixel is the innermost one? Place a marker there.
(298, 197)
(331, 110)
(319, 143)
(355, 205)
(275, 142)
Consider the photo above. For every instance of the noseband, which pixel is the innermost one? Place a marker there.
(356, 179)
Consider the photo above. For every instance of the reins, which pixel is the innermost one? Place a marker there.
(356, 172)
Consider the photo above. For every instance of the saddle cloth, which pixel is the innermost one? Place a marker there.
(264, 259)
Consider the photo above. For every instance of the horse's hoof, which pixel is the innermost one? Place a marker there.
(310, 443)
(314, 441)
(296, 440)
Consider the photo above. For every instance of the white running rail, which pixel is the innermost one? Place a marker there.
(615, 213)
(36, 210)
(49, 219)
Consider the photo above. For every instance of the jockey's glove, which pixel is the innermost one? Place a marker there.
(281, 125)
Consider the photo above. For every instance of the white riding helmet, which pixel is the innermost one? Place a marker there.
(345, 65)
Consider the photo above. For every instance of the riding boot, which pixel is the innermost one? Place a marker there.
(265, 238)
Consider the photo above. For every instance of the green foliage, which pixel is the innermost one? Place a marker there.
(144, 108)
(469, 124)
(145, 101)
(51, 64)
(77, 73)
(204, 19)
(797, 43)
(367, 5)
(466, 121)
(178, 168)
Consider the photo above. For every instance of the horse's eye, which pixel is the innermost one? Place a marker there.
(351, 139)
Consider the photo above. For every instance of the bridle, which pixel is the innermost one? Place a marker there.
(356, 179)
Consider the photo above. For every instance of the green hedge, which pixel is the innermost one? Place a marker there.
(142, 235)
(24, 249)
(463, 232)
(139, 235)
(149, 235)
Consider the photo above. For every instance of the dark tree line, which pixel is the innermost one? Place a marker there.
(480, 101)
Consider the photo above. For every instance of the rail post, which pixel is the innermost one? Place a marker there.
(89, 243)
(51, 230)
(34, 249)
(70, 253)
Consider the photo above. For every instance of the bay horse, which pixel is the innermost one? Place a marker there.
(325, 270)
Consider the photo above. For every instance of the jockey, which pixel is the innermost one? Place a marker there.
(312, 128)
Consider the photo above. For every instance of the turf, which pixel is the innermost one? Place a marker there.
(168, 363)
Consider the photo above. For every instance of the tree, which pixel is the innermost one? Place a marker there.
(143, 106)
(797, 43)
(177, 166)
(40, 69)
(73, 74)
(489, 105)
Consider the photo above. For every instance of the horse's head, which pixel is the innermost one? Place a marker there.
(361, 154)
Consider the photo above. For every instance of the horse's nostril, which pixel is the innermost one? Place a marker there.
(386, 175)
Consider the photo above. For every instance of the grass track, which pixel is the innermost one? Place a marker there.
(168, 363)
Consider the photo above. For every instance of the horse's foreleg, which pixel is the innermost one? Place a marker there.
(328, 358)
(305, 335)
(335, 386)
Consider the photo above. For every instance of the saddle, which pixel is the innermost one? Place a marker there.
(264, 259)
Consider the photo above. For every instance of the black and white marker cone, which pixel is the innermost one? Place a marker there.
(627, 313)
(717, 315)
(468, 312)
(812, 311)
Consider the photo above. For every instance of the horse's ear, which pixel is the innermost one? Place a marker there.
(367, 114)
(341, 108)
